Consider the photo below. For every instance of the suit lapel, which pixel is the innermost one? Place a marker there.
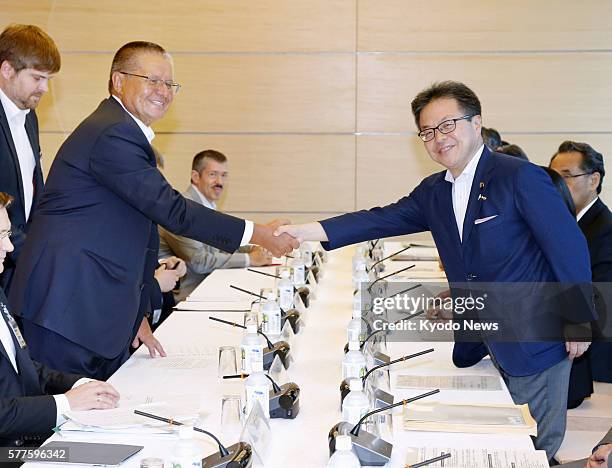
(591, 214)
(11, 145)
(479, 187)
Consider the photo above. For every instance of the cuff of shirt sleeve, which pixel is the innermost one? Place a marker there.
(248, 232)
(247, 260)
(82, 381)
(62, 406)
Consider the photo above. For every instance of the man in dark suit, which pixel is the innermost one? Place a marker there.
(86, 270)
(28, 60)
(488, 229)
(32, 396)
(583, 170)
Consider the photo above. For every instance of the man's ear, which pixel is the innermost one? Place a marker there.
(117, 79)
(477, 121)
(595, 179)
(195, 177)
(6, 69)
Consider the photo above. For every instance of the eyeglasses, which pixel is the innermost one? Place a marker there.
(573, 176)
(5, 234)
(445, 127)
(174, 87)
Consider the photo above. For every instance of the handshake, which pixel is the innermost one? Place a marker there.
(280, 237)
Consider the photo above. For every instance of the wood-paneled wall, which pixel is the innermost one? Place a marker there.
(310, 99)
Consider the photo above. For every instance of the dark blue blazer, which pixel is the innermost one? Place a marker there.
(27, 407)
(11, 183)
(533, 238)
(90, 255)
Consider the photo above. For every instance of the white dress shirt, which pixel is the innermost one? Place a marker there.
(462, 187)
(150, 134)
(16, 119)
(585, 209)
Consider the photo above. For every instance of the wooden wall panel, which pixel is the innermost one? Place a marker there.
(272, 172)
(519, 93)
(391, 166)
(449, 25)
(229, 93)
(192, 25)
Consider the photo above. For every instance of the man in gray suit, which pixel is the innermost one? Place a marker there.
(209, 174)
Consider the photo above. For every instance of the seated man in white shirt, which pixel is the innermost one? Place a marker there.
(209, 174)
(33, 397)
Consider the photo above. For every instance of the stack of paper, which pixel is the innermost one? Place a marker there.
(479, 458)
(123, 419)
(450, 382)
(475, 419)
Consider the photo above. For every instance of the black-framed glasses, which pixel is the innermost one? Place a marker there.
(573, 176)
(445, 127)
(173, 87)
(5, 234)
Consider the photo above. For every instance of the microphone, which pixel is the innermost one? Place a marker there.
(236, 456)
(344, 386)
(370, 449)
(284, 399)
(280, 348)
(372, 247)
(389, 256)
(387, 276)
(444, 456)
(293, 315)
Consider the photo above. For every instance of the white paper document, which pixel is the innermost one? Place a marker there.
(182, 408)
(450, 382)
(479, 458)
(171, 362)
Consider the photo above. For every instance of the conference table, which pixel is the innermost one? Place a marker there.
(190, 373)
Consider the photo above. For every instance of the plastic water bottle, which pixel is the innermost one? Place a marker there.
(356, 403)
(271, 314)
(307, 254)
(344, 457)
(354, 363)
(285, 290)
(251, 349)
(299, 270)
(359, 258)
(187, 453)
(354, 331)
(360, 280)
(257, 389)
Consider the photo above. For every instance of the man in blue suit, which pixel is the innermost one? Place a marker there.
(494, 219)
(86, 271)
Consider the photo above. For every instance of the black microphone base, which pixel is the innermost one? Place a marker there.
(286, 403)
(240, 456)
(282, 349)
(371, 450)
(294, 320)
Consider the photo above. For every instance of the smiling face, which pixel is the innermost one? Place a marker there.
(5, 242)
(25, 87)
(455, 149)
(211, 180)
(142, 99)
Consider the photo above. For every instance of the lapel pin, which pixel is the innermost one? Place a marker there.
(482, 185)
(482, 197)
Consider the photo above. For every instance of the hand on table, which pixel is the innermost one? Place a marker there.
(93, 395)
(145, 336)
